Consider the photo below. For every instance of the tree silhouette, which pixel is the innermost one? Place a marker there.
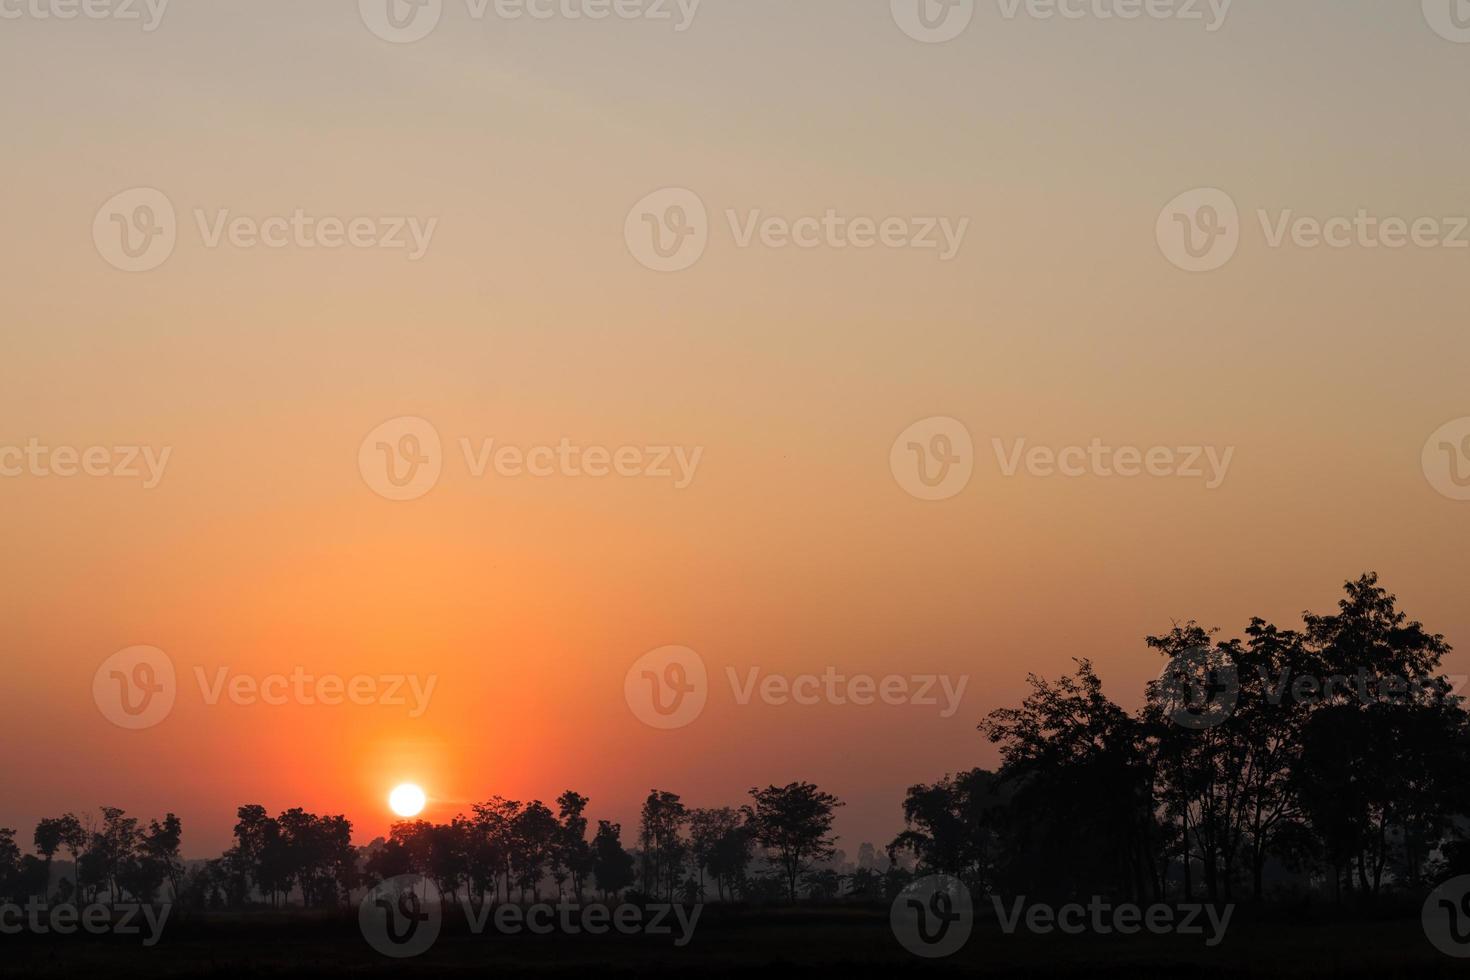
(611, 865)
(794, 823)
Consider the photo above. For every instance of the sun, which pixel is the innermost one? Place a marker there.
(407, 800)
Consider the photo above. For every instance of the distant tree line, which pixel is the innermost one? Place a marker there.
(1339, 765)
(503, 850)
(113, 856)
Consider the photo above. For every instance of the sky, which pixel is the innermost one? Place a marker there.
(529, 154)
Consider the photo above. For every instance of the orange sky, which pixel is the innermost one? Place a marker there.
(262, 549)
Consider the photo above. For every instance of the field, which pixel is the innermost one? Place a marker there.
(844, 941)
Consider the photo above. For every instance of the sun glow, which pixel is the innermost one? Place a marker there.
(407, 800)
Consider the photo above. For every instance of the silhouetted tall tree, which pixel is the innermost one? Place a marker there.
(794, 824)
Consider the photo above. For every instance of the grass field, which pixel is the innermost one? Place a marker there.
(838, 941)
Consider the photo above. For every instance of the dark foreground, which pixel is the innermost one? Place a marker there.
(847, 942)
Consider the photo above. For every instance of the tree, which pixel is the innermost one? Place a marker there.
(113, 847)
(953, 827)
(48, 838)
(574, 854)
(1082, 819)
(493, 846)
(534, 834)
(160, 846)
(794, 824)
(662, 818)
(707, 828)
(729, 856)
(9, 865)
(74, 839)
(612, 866)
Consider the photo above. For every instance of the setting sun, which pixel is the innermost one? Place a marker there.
(407, 800)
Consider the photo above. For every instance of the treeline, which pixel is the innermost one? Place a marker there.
(113, 856)
(503, 850)
(1336, 754)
